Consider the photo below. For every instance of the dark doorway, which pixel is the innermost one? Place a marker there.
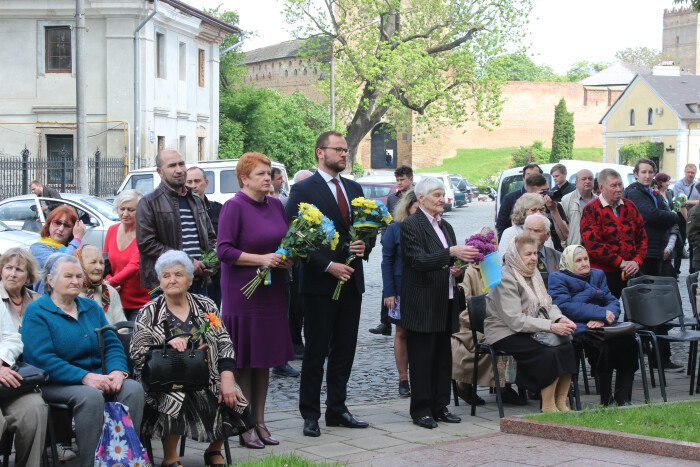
(60, 160)
(383, 148)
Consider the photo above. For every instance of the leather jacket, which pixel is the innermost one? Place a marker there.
(158, 228)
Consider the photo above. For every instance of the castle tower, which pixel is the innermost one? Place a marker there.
(681, 37)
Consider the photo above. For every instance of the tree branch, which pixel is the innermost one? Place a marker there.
(457, 42)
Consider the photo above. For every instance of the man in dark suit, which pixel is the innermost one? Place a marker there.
(539, 227)
(330, 326)
(506, 208)
(429, 302)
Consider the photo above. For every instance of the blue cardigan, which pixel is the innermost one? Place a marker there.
(67, 348)
(391, 260)
(582, 298)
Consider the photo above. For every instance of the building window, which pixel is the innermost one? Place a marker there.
(650, 116)
(160, 55)
(58, 50)
(161, 143)
(304, 70)
(678, 40)
(183, 61)
(60, 147)
(201, 67)
(290, 63)
(295, 72)
(200, 149)
(632, 117)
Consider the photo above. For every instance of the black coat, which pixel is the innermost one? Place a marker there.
(425, 275)
(313, 278)
(658, 221)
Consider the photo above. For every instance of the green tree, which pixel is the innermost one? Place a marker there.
(519, 67)
(528, 154)
(563, 135)
(629, 153)
(583, 69)
(643, 56)
(231, 68)
(414, 64)
(694, 3)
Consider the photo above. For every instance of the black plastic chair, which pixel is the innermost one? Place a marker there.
(663, 280)
(650, 305)
(691, 283)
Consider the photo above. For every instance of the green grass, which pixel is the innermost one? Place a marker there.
(479, 164)
(678, 421)
(283, 460)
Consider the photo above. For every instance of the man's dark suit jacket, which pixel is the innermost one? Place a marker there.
(506, 209)
(425, 276)
(313, 278)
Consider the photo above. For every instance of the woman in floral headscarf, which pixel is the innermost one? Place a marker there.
(582, 294)
(511, 318)
(94, 287)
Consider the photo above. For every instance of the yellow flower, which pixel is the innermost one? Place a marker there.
(359, 202)
(367, 211)
(311, 229)
(334, 241)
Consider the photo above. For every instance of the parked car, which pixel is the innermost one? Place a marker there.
(378, 191)
(470, 194)
(24, 213)
(10, 238)
(461, 187)
(223, 183)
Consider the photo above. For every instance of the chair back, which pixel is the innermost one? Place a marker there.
(477, 313)
(691, 283)
(657, 280)
(124, 338)
(652, 304)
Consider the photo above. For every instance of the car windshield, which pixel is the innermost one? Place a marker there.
(4, 227)
(101, 206)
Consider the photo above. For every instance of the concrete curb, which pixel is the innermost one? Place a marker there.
(603, 438)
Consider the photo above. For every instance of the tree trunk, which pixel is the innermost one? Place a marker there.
(365, 119)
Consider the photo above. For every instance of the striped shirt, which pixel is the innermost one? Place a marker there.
(190, 236)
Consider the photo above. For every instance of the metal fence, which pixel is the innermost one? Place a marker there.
(17, 172)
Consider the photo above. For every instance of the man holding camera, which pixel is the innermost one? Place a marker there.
(536, 183)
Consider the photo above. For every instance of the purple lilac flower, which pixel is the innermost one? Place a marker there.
(483, 243)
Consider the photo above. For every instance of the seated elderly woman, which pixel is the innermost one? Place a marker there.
(527, 204)
(94, 287)
(62, 233)
(19, 271)
(57, 331)
(582, 294)
(511, 318)
(212, 414)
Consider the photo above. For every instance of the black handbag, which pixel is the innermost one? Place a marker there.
(461, 298)
(549, 338)
(611, 331)
(167, 370)
(32, 378)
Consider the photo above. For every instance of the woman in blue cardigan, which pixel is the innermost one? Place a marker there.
(582, 294)
(58, 332)
(391, 279)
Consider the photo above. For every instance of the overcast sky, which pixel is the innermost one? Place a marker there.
(561, 31)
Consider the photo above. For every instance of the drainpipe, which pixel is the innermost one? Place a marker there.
(137, 85)
(237, 44)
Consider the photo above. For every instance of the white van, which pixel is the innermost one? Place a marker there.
(223, 183)
(512, 179)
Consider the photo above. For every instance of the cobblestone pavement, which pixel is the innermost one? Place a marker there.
(374, 376)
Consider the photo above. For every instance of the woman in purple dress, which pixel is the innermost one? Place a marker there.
(251, 226)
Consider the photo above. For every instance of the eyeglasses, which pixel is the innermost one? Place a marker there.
(57, 223)
(338, 150)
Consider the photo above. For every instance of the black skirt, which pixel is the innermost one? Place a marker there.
(538, 365)
(620, 353)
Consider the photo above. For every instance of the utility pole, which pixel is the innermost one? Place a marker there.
(81, 159)
(332, 87)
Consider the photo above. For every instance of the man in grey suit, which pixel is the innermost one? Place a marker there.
(538, 226)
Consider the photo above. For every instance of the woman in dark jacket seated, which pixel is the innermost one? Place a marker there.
(582, 294)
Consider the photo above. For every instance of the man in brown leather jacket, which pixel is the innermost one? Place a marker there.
(171, 217)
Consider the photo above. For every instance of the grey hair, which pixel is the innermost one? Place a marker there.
(175, 258)
(606, 174)
(580, 172)
(53, 266)
(126, 196)
(89, 246)
(308, 173)
(428, 184)
(543, 218)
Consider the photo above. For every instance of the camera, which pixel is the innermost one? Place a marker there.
(556, 195)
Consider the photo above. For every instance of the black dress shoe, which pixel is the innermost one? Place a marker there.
(346, 419)
(466, 394)
(285, 370)
(425, 422)
(383, 329)
(404, 388)
(446, 416)
(509, 396)
(311, 428)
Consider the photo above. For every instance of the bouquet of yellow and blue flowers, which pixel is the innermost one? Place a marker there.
(368, 217)
(309, 231)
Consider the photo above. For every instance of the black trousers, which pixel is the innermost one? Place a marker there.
(651, 267)
(384, 313)
(430, 360)
(330, 330)
(615, 282)
(295, 310)
(680, 243)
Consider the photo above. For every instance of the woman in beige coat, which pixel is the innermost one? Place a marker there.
(511, 319)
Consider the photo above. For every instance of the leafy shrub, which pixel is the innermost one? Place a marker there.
(528, 154)
(358, 170)
(629, 153)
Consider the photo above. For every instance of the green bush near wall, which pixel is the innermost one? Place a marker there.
(629, 153)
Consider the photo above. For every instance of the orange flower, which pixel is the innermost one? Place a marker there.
(213, 320)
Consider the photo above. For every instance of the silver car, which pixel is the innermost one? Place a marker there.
(25, 213)
(10, 238)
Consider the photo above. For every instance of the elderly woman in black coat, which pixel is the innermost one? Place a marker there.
(429, 311)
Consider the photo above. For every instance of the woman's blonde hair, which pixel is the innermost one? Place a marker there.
(401, 211)
(524, 203)
(22, 255)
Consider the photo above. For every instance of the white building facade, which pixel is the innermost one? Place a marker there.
(178, 79)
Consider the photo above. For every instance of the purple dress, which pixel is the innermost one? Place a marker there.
(258, 326)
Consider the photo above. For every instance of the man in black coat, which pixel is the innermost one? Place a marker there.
(45, 192)
(506, 208)
(330, 326)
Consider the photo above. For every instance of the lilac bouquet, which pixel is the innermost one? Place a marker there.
(483, 243)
